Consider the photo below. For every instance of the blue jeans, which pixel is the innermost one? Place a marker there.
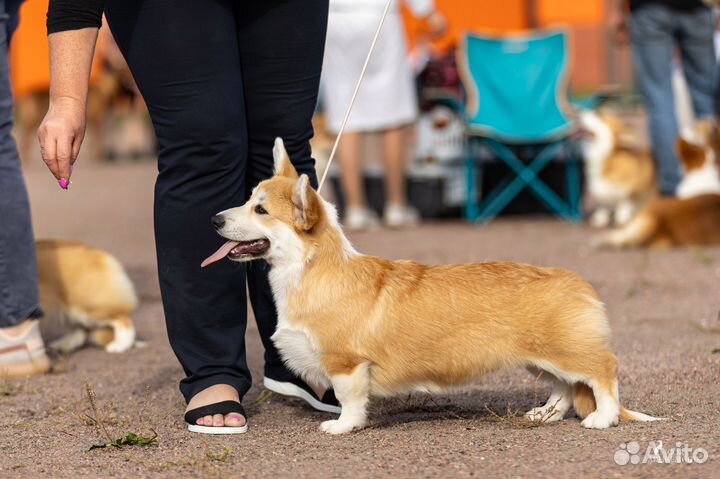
(655, 32)
(18, 271)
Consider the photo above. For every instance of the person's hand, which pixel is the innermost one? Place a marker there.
(61, 133)
(437, 24)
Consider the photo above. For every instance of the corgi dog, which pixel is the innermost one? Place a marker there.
(697, 151)
(621, 176)
(367, 326)
(88, 290)
(669, 222)
(693, 218)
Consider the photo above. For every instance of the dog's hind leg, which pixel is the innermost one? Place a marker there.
(123, 335)
(599, 372)
(72, 341)
(557, 405)
(352, 389)
(607, 412)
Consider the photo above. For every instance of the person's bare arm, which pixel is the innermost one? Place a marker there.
(63, 128)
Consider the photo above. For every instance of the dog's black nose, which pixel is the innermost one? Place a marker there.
(218, 221)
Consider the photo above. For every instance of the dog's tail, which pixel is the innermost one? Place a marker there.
(584, 404)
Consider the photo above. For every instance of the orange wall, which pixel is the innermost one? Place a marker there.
(585, 20)
(29, 55)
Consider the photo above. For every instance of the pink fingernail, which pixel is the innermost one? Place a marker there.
(63, 183)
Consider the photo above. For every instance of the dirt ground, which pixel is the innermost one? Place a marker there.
(666, 332)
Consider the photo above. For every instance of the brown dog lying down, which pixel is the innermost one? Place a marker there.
(88, 290)
(369, 326)
(668, 222)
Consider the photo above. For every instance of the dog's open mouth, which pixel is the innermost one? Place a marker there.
(239, 250)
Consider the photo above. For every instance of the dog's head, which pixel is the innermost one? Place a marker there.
(277, 223)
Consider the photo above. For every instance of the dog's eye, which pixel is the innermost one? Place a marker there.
(260, 210)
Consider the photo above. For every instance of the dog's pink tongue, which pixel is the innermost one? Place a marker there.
(220, 253)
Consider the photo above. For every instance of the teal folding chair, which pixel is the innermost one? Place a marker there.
(517, 107)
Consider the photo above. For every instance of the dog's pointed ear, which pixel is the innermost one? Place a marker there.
(691, 154)
(307, 204)
(283, 166)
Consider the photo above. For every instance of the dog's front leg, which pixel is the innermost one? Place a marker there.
(352, 390)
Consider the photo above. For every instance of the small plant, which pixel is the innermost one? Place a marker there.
(98, 420)
(130, 439)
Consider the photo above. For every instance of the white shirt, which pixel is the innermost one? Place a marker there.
(419, 8)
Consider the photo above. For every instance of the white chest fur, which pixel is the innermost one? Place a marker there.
(297, 347)
(301, 355)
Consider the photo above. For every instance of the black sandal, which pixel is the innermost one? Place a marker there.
(224, 407)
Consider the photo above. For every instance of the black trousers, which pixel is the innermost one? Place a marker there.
(221, 79)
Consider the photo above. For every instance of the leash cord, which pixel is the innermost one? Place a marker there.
(352, 99)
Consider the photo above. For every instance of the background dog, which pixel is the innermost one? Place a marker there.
(368, 326)
(691, 219)
(87, 290)
(620, 175)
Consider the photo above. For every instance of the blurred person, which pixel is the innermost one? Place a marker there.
(22, 351)
(221, 81)
(655, 29)
(386, 102)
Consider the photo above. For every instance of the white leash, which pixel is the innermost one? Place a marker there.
(352, 99)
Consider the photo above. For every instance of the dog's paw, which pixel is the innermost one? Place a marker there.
(118, 346)
(336, 426)
(600, 218)
(543, 414)
(596, 420)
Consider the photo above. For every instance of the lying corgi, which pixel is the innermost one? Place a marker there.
(88, 290)
(693, 218)
(621, 176)
(367, 326)
(669, 222)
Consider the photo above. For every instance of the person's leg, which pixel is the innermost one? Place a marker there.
(651, 34)
(695, 37)
(394, 141)
(19, 298)
(351, 171)
(281, 50)
(183, 55)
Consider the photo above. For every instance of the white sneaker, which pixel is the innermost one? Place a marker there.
(23, 354)
(397, 216)
(359, 219)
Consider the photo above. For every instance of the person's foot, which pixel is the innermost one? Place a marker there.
(216, 394)
(317, 397)
(398, 216)
(22, 351)
(359, 219)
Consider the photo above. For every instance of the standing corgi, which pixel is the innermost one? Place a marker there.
(90, 291)
(621, 178)
(368, 326)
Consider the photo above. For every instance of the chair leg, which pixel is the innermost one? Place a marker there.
(472, 209)
(573, 190)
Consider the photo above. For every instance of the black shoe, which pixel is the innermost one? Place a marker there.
(297, 388)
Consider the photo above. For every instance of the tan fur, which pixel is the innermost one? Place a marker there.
(621, 179)
(628, 166)
(667, 222)
(383, 327)
(88, 289)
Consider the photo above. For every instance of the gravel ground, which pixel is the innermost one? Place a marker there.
(666, 331)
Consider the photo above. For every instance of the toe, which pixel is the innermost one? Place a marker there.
(234, 420)
(218, 420)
